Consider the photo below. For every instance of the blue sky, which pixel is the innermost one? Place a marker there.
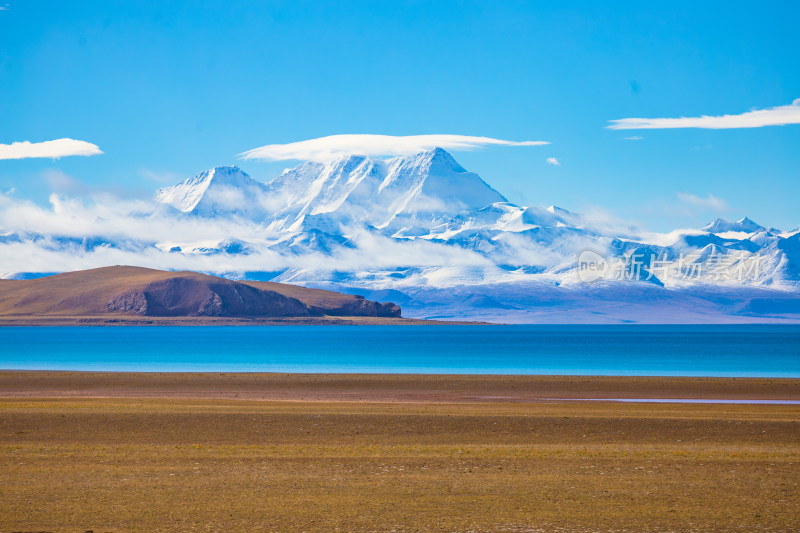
(167, 89)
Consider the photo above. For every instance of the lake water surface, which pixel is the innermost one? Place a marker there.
(624, 350)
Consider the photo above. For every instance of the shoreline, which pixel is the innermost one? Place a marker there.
(128, 321)
(393, 388)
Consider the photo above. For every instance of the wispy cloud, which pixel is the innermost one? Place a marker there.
(634, 138)
(74, 234)
(708, 202)
(49, 149)
(554, 161)
(770, 116)
(62, 183)
(327, 148)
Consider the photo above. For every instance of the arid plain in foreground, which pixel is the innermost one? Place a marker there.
(270, 452)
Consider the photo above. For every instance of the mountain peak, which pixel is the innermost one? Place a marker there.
(720, 225)
(715, 224)
(554, 209)
(226, 169)
(225, 173)
(216, 174)
(440, 159)
(227, 187)
(440, 152)
(750, 224)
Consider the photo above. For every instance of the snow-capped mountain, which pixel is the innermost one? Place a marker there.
(744, 225)
(398, 193)
(436, 238)
(225, 191)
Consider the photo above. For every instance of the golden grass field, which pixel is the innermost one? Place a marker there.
(71, 460)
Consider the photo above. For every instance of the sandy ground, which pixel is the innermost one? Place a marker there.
(382, 387)
(183, 452)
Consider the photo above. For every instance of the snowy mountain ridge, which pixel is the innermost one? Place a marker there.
(427, 232)
(381, 193)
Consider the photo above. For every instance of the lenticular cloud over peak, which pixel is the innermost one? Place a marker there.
(327, 148)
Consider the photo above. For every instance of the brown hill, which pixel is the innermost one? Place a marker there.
(130, 294)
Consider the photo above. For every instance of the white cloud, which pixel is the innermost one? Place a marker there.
(554, 161)
(70, 232)
(771, 116)
(52, 149)
(327, 148)
(634, 138)
(709, 202)
(74, 234)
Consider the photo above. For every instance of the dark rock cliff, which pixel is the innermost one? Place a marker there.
(190, 297)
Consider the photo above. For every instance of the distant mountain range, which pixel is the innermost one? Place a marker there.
(426, 233)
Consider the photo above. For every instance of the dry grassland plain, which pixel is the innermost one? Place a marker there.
(78, 452)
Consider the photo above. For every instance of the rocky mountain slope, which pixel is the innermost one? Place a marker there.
(121, 292)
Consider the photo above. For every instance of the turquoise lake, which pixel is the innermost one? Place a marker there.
(624, 350)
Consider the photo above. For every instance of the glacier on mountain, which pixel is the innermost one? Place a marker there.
(430, 235)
